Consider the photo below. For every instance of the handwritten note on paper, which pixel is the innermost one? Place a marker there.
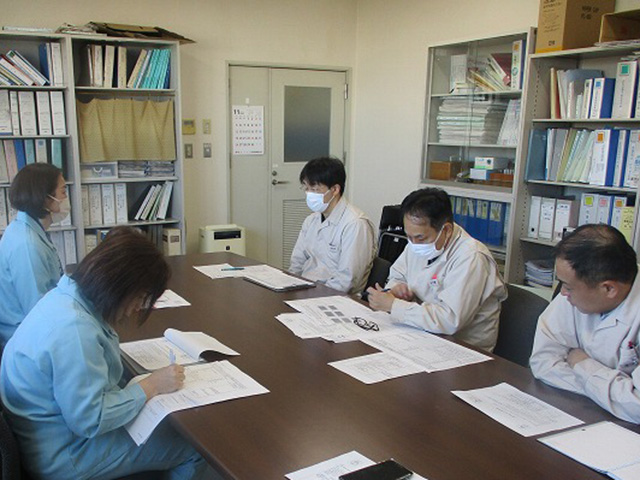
(204, 384)
(430, 351)
(377, 367)
(517, 410)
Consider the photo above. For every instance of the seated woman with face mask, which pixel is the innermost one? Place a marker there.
(445, 281)
(29, 263)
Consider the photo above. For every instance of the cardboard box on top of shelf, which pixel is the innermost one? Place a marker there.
(620, 26)
(568, 24)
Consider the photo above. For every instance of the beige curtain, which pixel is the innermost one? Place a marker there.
(126, 129)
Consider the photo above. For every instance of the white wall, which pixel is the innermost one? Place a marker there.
(390, 82)
(384, 41)
(301, 32)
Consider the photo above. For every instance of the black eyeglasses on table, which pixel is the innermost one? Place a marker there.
(366, 324)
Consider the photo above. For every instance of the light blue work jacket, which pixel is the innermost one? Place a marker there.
(29, 268)
(59, 385)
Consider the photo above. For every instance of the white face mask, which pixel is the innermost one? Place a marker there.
(315, 202)
(65, 209)
(427, 250)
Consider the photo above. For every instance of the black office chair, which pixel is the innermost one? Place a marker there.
(379, 274)
(518, 321)
(9, 454)
(391, 237)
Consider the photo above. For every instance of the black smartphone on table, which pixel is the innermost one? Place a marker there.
(387, 470)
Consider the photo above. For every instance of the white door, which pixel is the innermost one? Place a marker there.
(304, 118)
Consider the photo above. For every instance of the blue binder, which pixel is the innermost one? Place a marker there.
(482, 220)
(537, 155)
(21, 157)
(614, 136)
(496, 223)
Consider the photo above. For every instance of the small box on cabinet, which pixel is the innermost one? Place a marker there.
(444, 170)
(620, 26)
(567, 24)
(171, 241)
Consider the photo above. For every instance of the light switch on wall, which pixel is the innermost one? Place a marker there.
(206, 150)
(206, 126)
(188, 150)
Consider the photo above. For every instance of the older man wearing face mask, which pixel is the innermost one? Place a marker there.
(444, 281)
(336, 245)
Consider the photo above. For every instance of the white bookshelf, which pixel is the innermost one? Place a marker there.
(536, 114)
(75, 64)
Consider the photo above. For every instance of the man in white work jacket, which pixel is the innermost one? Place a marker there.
(587, 338)
(445, 281)
(336, 245)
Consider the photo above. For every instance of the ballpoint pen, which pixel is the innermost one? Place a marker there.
(172, 357)
(228, 269)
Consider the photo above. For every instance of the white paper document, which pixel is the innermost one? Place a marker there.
(517, 410)
(332, 318)
(604, 446)
(377, 367)
(204, 384)
(170, 299)
(264, 275)
(332, 469)
(431, 352)
(273, 278)
(175, 347)
(305, 327)
(220, 270)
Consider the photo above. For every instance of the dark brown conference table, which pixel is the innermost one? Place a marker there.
(315, 412)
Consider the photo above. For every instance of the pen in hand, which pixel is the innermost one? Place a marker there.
(172, 357)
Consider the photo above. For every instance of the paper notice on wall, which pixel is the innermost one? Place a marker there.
(248, 129)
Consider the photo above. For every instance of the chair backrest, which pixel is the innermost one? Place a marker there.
(391, 236)
(379, 274)
(518, 321)
(9, 454)
(391, 245)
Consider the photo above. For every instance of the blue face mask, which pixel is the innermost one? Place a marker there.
(427, 250)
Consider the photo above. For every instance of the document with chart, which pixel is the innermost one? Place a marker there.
(517, 410)
(430, 351)
(336, 319)
(377, 367)
(204, 384)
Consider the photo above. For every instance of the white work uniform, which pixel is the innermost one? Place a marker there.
(460, 291)
(610, 377)
(338, 252)
(29, 268)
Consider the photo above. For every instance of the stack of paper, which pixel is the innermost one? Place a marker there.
(509, 132)
(476, 120)
(539, 273)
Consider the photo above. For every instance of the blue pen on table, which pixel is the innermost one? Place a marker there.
(172, 357)
(230, 269)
